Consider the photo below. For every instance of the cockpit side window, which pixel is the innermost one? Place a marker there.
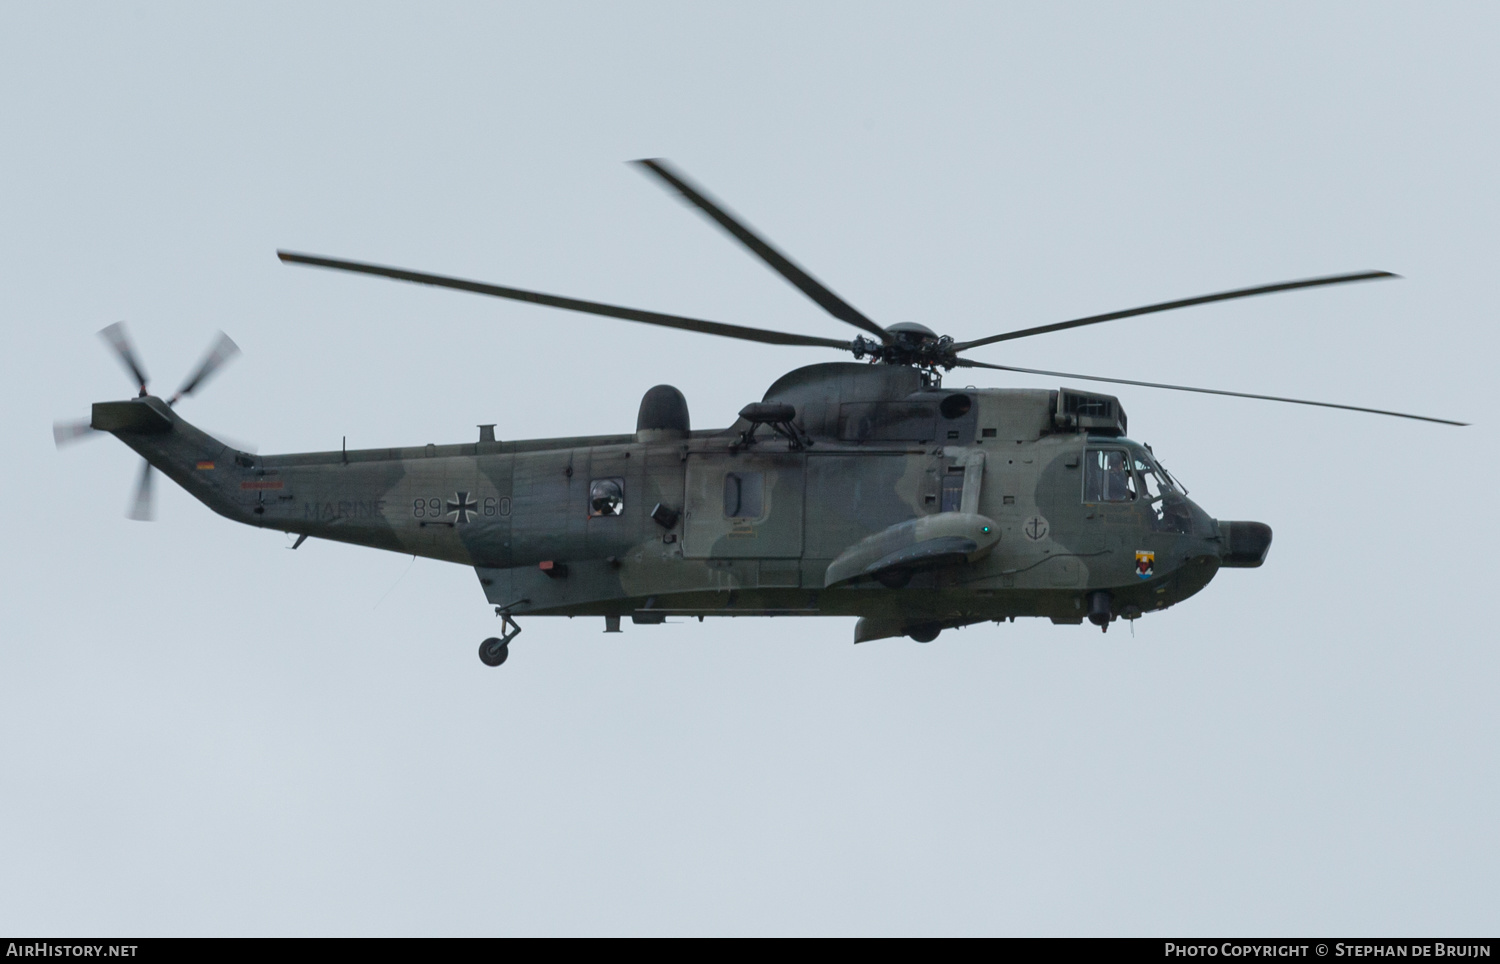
(1107, 478)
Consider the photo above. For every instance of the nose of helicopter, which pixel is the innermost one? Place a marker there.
(1243, 545)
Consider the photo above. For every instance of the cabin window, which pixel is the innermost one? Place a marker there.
(744, 495)
(1107, 478)
(953, 488)
(606, 497)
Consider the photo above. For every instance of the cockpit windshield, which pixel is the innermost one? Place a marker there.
(1146, 472)
(1154, 478)
(1161, 494)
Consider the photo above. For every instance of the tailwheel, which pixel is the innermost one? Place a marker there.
(493, 651)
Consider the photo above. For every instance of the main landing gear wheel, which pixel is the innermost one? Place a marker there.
(925, 633)
(493, 651)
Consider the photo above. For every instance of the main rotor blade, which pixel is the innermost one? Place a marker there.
(143, 508)
(220, 352)
(966, 363)
(571, 304)
(66, 433)
(783, 265)
(117, 338)
(1336, 279)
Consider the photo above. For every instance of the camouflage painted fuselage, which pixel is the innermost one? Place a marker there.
(743, 529)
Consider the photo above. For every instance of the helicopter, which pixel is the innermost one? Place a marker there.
(852, 488)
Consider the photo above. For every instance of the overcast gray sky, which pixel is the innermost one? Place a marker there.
(202, 733)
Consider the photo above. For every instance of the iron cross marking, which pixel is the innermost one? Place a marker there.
(460, 507)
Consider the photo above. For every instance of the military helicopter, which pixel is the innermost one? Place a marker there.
(850, 489)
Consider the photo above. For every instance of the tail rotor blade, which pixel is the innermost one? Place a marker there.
(66, 433)
(219, 353)
(117, 338)
(143, 509)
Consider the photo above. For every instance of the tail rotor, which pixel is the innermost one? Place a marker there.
(221, 352)
(73, 430)
(143, 506)
(118, 339)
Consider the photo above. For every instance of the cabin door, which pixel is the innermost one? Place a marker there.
(743, 506)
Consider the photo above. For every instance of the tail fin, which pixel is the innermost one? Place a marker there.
(136, 415)
(206, 467)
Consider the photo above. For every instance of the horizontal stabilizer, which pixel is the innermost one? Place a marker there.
(136, 415)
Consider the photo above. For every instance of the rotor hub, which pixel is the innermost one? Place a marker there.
(910, 344)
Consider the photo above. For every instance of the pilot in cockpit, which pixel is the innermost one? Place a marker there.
(1118, 485)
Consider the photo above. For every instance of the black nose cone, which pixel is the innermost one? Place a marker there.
(1244, 544)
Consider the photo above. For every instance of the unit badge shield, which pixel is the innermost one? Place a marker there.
(1145, 563)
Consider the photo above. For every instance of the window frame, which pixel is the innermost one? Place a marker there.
(620, 484)
(759, 490)
(1090, 454)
